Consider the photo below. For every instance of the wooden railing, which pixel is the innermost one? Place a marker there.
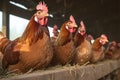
(87, 72)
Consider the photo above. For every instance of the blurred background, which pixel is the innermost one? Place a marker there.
(99, 16)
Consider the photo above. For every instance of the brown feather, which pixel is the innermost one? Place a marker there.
(3, 43)
(83, 53)
(63, 47)
(64, 36)
(97, 51)
(36, 56)
(78, 39)
(32, 50)
(112, 51)
(83, 49)
(33, 32)
(11, 54)
(63, 54)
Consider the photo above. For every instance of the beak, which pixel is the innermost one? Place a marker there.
(46, 14)
(106, 40)
(74, 25)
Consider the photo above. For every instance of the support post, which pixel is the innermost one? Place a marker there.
(5, 19)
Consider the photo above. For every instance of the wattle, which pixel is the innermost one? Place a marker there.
(43, 21)
(72, 30)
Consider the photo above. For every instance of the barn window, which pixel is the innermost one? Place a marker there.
(0, 21)
(17, 26)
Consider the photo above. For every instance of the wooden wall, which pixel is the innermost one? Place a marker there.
(100, 16)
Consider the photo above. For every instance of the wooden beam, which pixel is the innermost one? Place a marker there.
(12, 9)
(20, 12)
(0, 5)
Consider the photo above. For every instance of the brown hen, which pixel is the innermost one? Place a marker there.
(64, 45)
(98, 50)
(5, 41)
(33, 49)
(55, 33)
(112, 51)
(83, 46)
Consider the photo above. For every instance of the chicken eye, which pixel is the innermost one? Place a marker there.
(68, 23)
(38, 12)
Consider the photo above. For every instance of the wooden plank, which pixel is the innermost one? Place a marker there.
(89, 72)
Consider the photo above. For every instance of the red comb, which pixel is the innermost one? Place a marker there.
(82, 24)
(104, 36)
(72, 19)
(118, 45)
(42, 6)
